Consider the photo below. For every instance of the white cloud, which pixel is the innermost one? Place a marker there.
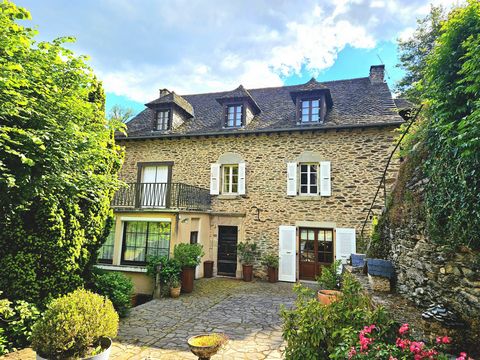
(194, 46)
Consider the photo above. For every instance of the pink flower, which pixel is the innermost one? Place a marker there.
(463, 356)
(402, 343)
(392, 358)
(403, 329)
(416, 347)
(446, 340)
(352, 352)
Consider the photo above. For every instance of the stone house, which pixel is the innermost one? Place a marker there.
(292, 168)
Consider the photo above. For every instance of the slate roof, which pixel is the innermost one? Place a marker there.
(356, 103)
(175, 99)
(239, 93)
(402, 103)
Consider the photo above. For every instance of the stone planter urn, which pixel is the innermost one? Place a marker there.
(206, 345)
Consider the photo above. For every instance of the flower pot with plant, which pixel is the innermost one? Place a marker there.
(271, 262)
(206, 345)
(329, 282)
(247, 252)
(162, 269)
(175, 287)
(79, 325)
(188, 256)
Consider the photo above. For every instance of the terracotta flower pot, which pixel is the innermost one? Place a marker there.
(326, 297)
(247, 272)
(188, 275)
(272, 274)
(175, 292)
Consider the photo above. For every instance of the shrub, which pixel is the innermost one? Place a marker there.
(315, 331)
(270, 260)
(73, 325)
(188, 255)
(330, 278)
(118, 288)
(16, 321)
(169, 268)
(247, 252)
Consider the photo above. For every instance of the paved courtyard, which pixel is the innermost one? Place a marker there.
(247, 312)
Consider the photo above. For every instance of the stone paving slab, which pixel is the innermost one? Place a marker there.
(248, 313)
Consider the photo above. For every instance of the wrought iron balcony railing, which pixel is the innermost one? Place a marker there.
(162, 195)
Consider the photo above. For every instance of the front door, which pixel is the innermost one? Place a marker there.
(227, 250)
(316, 250)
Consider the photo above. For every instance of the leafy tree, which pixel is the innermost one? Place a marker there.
(414, 51)
(120, 113)
(452, 94)
(58, 163)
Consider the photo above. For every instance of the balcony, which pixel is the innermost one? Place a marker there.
(161, 196)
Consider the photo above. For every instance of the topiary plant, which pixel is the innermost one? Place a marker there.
(188, 255)
(74, 325)
(118, 288)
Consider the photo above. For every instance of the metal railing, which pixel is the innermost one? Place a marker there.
(162, 195)
(382, 183)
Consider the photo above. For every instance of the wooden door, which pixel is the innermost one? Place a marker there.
(316, 250)
(227, 250)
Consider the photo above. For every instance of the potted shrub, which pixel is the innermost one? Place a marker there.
(188, 257)
(79, 325)
(175, 287)
(329, 282)
(162, 269)
(271, 262)
(247, 252)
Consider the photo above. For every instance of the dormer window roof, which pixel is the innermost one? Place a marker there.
(312, 101)
(239, 95)
(168, 99)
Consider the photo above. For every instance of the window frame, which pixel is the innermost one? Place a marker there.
(308, 184)
(124, 242)
(321, 109)
(230, 179)
(100, 251)
(194, 237)
(168, 119)
(242, 113)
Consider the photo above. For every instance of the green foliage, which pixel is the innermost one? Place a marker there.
(414, 52)
(169, 268)
(118, 288)
(175, 282)
(315, 331)
(452, 93)
(16, 321)
(58, 164)
(330, 278)
(188, 255)
(247, 252)
(270, 260)
(73, 325)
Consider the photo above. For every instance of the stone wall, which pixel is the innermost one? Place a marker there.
(426, 272)
(357, 156)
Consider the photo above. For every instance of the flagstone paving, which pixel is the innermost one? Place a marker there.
(248, 313)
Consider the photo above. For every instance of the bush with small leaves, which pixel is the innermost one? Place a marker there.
(117, 287)
(73, 326)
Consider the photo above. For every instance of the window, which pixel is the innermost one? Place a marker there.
(234, 117)
(194, 237)
(163, 120)
(142, 239)
(309, 179)
(325, 246)
(309, 111)
(105, 253)
(230, 179)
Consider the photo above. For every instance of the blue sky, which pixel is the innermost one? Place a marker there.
(191, 46)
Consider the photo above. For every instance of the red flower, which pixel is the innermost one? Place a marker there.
(416, 347)
(403, 329)
(446, 340)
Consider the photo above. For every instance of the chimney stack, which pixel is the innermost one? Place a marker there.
(377, 74)
(164, 92)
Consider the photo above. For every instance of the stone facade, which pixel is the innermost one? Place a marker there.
(358, 157)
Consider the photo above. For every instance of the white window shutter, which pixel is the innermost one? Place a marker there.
(287, 244)
(345, 244)
(215, 179)
(292, 178)
(325, 179)
(241, 178)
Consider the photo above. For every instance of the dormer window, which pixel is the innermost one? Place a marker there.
(310, 111)
(234, 116)
(163, 120)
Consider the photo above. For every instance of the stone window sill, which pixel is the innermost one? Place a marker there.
(125, 268)
(228, 197)
(308, 197)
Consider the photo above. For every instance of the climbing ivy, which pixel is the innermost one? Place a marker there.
(452, 94)
(58, 163)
